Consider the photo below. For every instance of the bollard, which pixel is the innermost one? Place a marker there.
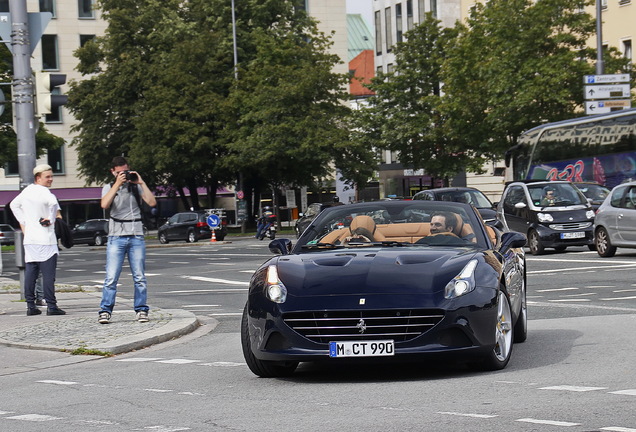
(19, 260)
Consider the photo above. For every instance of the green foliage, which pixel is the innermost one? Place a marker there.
(160, 88)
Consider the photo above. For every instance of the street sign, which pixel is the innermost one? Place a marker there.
(213, 221)
(37, 23)
(240, 194)
(606, 79)
(605, 106)
(607, 91)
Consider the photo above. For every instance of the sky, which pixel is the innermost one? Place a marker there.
(362, 7)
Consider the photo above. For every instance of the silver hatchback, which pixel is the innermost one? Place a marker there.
(615, 222)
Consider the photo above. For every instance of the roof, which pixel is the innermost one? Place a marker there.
(359, 36)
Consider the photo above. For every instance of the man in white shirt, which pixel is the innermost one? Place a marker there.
(35, 209)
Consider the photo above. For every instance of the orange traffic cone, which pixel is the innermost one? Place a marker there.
(213, 238)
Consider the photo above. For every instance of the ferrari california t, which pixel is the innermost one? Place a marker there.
(388, 280)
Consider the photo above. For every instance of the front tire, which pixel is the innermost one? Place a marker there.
(262, 368)
(534, 242)
(191, 237)
(98, 241)
(162, 238)
(499, 357)
(603, 245)
(521, 326)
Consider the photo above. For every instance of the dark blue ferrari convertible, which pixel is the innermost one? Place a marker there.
(388, 280)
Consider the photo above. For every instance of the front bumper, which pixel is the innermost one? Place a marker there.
(553, 238)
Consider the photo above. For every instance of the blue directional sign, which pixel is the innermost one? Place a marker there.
(213, 221)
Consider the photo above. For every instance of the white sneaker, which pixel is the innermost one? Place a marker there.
(104, 318)
(142, 316)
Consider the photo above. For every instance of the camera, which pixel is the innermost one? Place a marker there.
(131, 176)
(45, 222)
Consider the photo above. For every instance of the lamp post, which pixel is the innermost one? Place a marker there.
(600, 67)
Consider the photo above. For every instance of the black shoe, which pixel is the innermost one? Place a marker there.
(39, 302)
(55, 311)
(33, 311)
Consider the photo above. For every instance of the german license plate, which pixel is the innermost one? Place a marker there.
(361, 348)
(572, 235)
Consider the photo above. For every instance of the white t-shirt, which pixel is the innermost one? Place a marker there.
(35, 202)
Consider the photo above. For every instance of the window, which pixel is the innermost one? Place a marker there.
(434, 8)
(421, 10)
(11, 169)
(55, 158)
(4, 5)
(49, 52)
(604, 4)
(409, 15)
(47, 6)
(85, 9)
(389, 29)
(85, 38)
(627, 49)
(624, 2)
(398, 22)
(378, 33)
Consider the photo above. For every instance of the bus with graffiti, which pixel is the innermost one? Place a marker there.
(598, 148)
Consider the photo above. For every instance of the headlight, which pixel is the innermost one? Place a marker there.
(545, 217)
(463, 283)
(275, 289)
(589, 214)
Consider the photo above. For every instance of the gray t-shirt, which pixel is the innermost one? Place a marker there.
(126, 210)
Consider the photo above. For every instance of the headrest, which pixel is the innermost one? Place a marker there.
(362, 221)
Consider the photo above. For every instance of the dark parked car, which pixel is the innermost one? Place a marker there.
(464, 195)
(593, 192)
(190, 226)
(562, 221)
(313, 210)
(7, 234)
(404, 293)
(615, 222)
(92, 232)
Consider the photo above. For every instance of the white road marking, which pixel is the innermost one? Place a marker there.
(467, 414)
(607, 268)
(579, 295)
(573, 388)
(600, 286)
(219, 291)
(625, 392)
(618, 429)
(619, 298)
(216, 280)
(75, 270)
(6, 412)
(548, 422)
(558, 289)
(34, 417)
(178, 361)
(162, 428)
(201, 305)
(223, 364)
(625, 290)
(178, 262)
(570, 300)
(226, 314)
(57, 382)
(561, 260)
(246, 271)
(141, 359)
(158, 390)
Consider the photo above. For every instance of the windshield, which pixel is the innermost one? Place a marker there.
(556, 194)
(395, 224)
(593, 192)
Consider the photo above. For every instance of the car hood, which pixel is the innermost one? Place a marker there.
(565, 214)
(372, 271)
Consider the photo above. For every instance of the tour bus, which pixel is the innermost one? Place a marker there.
(599, 148)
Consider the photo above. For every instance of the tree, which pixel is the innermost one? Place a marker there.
(516, 64)
(405, 114)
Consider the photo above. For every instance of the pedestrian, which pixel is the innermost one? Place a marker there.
(125, 237)
(35, 209)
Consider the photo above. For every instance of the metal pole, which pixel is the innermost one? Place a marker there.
(234, 42)
(600, 66)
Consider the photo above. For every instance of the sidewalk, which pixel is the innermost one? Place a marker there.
(79, 329)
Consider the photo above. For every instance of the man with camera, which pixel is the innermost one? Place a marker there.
(35, 209)
(125, 237)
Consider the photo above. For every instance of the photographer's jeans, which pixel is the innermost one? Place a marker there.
(116, 250)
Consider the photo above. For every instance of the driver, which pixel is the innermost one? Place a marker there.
(549, 198)
(442, 226)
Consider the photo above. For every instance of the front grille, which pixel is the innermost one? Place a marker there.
(400, 325)
(571, 226)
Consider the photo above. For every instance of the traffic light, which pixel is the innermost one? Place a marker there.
(46, 84)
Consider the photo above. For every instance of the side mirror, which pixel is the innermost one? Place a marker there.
(511, 240)
(520, 205)
(280, 246)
